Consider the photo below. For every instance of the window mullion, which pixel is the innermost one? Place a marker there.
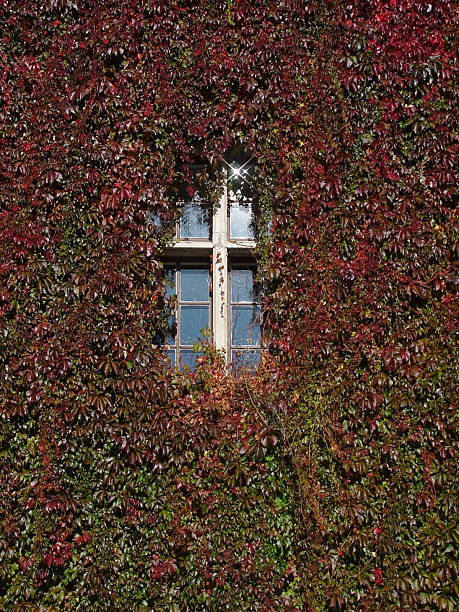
(220, 273)
(177, 313)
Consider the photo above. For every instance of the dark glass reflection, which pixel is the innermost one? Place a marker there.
(171, 330)
(169, 276)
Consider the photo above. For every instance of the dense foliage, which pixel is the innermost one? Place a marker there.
(326, 482)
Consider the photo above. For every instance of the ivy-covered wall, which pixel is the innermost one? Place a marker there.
(328, 480)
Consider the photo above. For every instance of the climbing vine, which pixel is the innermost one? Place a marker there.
(327, 481)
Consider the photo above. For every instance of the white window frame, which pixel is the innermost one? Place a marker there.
(222, 249)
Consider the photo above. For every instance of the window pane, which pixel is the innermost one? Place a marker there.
(245, 359)
(242, 285)
(188, 358)
(194, 284)
(194, 222)
(245, 325)
(171, 330)
(241, 220)
(171, 355)
(154, 219)
(192, 320)
(169, 276)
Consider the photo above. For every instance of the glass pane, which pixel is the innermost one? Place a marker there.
(169, 276)
(154, 219)
(242, 285)
(241, 220)
(245, 359)
(188, 358)
(192, 320)
(194, 222)
(245, 325)
(171, 330)
(194, 284)
(171, 355)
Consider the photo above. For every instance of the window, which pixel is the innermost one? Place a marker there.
(191, 284)
(211, 271)
(245, 316)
